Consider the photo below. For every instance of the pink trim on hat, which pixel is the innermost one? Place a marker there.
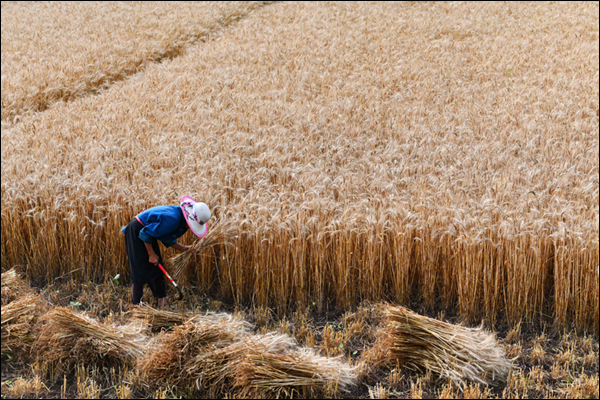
(186, 214)
(187, 198)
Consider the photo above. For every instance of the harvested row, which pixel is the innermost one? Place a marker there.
(208, 353)
(215, 359)
(443, 152)
(216, 354)
(60, 51)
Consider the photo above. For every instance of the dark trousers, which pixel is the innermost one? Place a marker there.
(140, 269)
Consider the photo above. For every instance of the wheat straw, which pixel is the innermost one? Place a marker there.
(68, 339)
(18, 319)
(451, 351)
(13, 288)
(173, 354)
(159, 319)
(272, 366)
(438, 151)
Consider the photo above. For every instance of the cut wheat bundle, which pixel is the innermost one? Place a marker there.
(159, 319)
(174, 356)
(12, 286)
(266, 366)
(18, 318)
(222, 233)
(163, 319)
(215, 354)
(211, 371)
(214, 371)
(68, 338)
(272, 366)
(451, 351)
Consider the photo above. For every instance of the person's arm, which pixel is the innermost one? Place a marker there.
(161, 226)
(153, 257)
(180, 247)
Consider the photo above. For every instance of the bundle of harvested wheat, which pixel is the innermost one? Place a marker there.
(18, 318)
(163, 319)
(159, 319)
(210, 370)
(220, 234)
(12, 286)
(215, 356)
(451, 351)
(68, 338)
(272, 366)
(174, 355)
(214, 370)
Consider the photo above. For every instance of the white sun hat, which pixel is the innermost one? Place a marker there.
(196, 215)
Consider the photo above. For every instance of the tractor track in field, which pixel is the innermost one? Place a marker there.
(176, 49)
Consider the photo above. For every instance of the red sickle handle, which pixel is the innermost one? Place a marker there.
(167, 274)
(179, 292)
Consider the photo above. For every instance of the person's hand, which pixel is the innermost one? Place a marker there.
(181, 247)
(153, 259)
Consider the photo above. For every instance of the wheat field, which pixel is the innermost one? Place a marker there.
(56, 51)
(438, 153)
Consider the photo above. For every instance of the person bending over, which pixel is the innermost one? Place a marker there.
(165, 224)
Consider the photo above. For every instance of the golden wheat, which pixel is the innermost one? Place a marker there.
(215, 358)
(61, 51)
(445, 152)
(18, 320)
(273, 366)
(174, 356)
(452, 352)
(68, 339)
(13, 287)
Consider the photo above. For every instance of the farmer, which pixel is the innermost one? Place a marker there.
(167, 224)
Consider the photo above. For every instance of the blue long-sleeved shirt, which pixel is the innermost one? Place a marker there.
(165, 223)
